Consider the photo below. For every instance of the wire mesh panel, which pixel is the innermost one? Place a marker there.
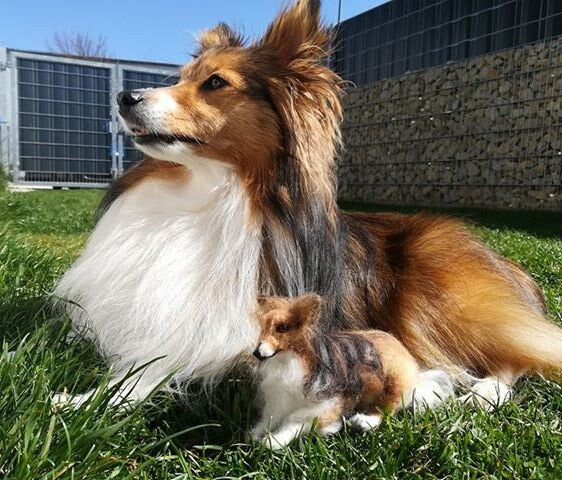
(64, 118)
(408, 35)
(484, 132)
(133, 80)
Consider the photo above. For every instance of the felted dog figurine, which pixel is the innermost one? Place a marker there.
(306, 375)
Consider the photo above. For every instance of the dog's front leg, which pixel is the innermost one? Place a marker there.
(270, 418)
(264, 425)
(327, 413)
(286, 434)
(121, 393)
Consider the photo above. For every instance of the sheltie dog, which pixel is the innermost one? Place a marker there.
(309, 376)
(236, 198)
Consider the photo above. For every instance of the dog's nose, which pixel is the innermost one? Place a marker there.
(257, 354)
(127, 99)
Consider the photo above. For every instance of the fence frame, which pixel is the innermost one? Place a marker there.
(10, 87)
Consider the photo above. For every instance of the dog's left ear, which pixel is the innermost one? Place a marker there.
(305, 92)
(307, 307)
(262, 300)
(297, 32)
(221, 36)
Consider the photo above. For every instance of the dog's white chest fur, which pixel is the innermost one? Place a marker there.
(284, 372)
(287, 413)
(282, 384)
(171, 271)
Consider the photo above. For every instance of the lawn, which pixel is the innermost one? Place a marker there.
(42, 232)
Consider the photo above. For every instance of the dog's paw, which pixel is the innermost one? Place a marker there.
(488, 393)
(62, 400)
(432, 389)
(284, 435)
(331, 429)
(259, 430)
(365, 422)
(275, 442)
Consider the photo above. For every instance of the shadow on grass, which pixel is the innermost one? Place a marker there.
(21, 316)
(538, 223)
(226, 414)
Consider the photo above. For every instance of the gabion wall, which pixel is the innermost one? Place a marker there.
(486, 132)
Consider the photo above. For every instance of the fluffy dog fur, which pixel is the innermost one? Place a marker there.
(237, 198)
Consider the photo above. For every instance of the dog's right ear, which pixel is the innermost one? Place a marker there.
(221, 36)
(266, 304)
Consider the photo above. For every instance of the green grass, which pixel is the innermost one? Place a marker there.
(3, 179)
(42, 232)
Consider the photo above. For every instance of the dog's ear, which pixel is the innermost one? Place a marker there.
(297, 32)
(262, 300)
(221, 36)
(307, 307)
(305, 93)
(266, 304)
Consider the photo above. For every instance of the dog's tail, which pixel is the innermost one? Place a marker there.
(509, 339)
(526, 339)
(499, 333)
(524, 330)
(493, 321)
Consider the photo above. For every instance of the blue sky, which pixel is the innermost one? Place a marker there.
(143, 30)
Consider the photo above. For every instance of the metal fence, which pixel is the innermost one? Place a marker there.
(408, 35)
(139, 79)
(63, 116)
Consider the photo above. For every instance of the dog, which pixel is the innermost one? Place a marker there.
(236, 198)
(307, 375)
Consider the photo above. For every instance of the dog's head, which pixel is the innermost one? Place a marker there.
(286, 323)
(246, 105)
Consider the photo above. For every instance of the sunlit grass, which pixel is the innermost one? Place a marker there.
(41, 233)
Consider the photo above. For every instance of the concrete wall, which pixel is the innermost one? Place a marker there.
(486, 132)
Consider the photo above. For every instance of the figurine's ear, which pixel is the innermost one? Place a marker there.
(267, 304)
(307, 307)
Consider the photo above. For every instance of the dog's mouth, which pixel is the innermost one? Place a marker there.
(145, 137)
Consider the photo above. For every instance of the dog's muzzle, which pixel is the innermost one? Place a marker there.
(258, 355)
(262, 352)
(127, 101)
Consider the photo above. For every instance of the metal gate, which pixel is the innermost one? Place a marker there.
(62, 116)
(131, 79)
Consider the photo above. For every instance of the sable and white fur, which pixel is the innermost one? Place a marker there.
(307, 376)
(237, 198)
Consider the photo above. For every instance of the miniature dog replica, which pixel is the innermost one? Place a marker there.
(237, 198)
(306, 375)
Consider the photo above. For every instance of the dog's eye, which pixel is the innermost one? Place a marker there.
(214, 82)
(283, 328)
